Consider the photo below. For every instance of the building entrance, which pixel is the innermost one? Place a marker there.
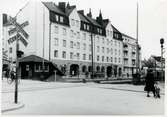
(74, 70)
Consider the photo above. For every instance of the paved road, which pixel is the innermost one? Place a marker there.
(83, 99)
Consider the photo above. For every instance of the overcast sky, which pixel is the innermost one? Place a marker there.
(122, 13)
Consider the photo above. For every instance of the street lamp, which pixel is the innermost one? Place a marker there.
(162, 42)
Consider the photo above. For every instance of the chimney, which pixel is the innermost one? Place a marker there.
(62, 6)
(89, 14)
(68, 5)
(5, 20)
(81, 12)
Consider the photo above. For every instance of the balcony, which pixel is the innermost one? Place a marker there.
(125, 56)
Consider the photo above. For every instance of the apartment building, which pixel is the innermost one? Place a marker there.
(129, 55)
(72, 39)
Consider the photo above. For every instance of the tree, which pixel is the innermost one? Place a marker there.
(150, 63)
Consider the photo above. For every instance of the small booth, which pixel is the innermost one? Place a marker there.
(36, 68)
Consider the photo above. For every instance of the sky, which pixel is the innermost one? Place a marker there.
(122, 14)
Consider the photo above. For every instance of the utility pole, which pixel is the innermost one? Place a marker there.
(43, 62)
(92, 52)
(137, 45)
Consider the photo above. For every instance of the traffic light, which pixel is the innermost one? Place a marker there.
(19, 53)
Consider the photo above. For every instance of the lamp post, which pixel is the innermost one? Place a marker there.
(162, 42)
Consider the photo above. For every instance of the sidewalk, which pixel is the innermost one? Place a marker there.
(9, 106)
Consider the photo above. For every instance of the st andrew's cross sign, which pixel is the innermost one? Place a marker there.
(20, 29)
(18, 36)
(13, 30)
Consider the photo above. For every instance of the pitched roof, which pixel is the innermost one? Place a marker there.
(114, 29)
(33, 58)
(83, 18)
(52, 7)
(70, 9)
(93, 21)
(128, 36)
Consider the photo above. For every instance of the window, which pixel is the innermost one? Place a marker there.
(46, 68)
(56, 41)
(64, 43)
(133, 62)
(97, 57)
(110, 33)
(84, 56)
(119, 60)
(56, 53)
(103, 49)
(63, 54)
(10, 50)
(57, 18)
(115, 51)
(78, 56)
(84, 36)
(98, 39)
(119, 44)
(71, 44)
(90, 48)
(72, 22)
(77, 23)
(98, 49)
(84, 46)
(78, 35)
(115, 60)
(87, 27)
(71, 55)
(115, 43)
(107, 59)
(100, 31)
(71, 33)
(111, 42)
(56, 29)
(111, 59)
(37, 68)
(78, 45)
(102, 58)
(111, 51)
(90, 57)
(119, 52)
(103, 40)
(108, 50)
(90, 37)
(61, 19)
(108, 42)
(64, 31)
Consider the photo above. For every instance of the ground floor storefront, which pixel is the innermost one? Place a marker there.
(129, 71)
(80, 69)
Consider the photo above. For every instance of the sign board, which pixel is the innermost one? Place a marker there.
(18, 28)
(18, 36)
(22, 40)
(13, 30)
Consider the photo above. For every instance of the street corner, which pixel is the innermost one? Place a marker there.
(10, 106)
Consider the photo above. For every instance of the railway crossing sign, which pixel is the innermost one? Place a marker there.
(22, 35)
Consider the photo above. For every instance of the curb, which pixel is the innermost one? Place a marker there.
(13, 108)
